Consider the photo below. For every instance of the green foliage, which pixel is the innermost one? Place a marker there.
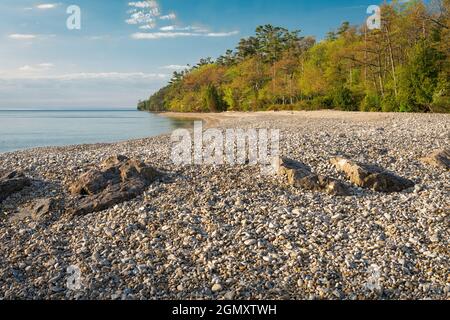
(441, 98)
(419, 78)
(212, 100)
(343, 99)
(403, 67)
(371, 103)
(157, 102)
(389, 104)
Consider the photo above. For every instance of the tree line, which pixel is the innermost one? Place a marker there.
(403, 66)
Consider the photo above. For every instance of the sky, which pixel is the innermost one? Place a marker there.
(126, 50)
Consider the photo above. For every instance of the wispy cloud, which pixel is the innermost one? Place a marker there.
(170, 16)
(21, 36)
(166, 35)
(26, 68)
(47, 6)
(37, 68)
(111, 76)
(147, 15)
(222, 34)
(161, 35)
(144, 4)
(98, 38)
(188, 28)
(148, 26)
(170, 28)
(29, 73)
(174, 67)
(143, 13)
(28, 37)
(46, 65)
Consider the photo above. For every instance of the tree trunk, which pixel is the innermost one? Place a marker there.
(391, 56)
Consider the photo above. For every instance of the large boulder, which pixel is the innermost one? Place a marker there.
(11, 183)
(39, 210)
(371, 176)
(116, 180)
(299, 175)
(438, 158)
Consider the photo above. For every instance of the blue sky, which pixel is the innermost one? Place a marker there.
(126, 50)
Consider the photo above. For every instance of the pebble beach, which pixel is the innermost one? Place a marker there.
(231, 232)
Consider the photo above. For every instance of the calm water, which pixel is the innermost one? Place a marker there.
(22, 129)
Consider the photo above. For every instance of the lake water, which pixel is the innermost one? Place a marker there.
(22, 129)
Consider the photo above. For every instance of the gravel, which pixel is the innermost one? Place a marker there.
(230, 232)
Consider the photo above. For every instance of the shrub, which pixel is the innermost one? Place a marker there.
(418, 79)
(344, 99)
(213, 101)
(389, 104)
(371, 103)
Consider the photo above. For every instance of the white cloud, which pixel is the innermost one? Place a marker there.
(46, 65)
(144, 4)
(147, 15)
(168, 28)
(148, 26)
(188, 28)
(30, 73)
(111, 76)
(26, 68)
(95, 38)
(170, 16)
(165, 35)
(140, 18)
(47, 6)
(143, 13)
(222, 34)
(174, 67)
(18, 36)
(161, 35)
(36, 68)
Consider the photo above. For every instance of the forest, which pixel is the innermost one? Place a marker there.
(403, 66)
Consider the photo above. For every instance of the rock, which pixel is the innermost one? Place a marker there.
(371, 177)
(300, 176)
(216, 287)
(291, 169)
(439, 159)
(229, 295)
(42, 208)
(110, 232)
(250, 242)
(113, 161)
(133, 169)
(434, 238)
(335, 187)
(11, 183)
(94, 181)
(310, 182)
(117, 180)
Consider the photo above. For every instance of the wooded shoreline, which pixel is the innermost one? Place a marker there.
(402, 67)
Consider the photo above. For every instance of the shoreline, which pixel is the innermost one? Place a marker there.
(212, 120)
(215, 119)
